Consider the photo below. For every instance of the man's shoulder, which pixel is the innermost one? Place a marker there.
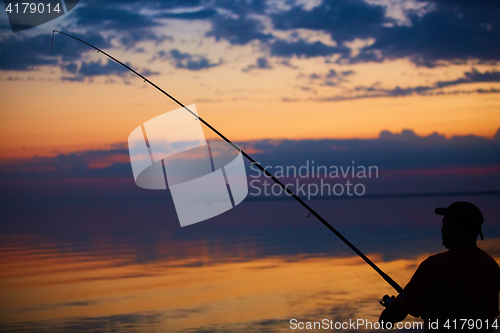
(489, 258)
(436, 259)
(451, 257)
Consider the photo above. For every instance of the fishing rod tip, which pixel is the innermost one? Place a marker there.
(52, 43)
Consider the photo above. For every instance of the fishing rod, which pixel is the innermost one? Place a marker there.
(386, 277)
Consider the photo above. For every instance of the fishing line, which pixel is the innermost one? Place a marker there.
(386, 277)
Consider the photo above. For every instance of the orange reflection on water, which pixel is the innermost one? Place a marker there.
(51, 285)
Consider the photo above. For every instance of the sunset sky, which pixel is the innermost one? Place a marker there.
(255, 69)
(409, 87)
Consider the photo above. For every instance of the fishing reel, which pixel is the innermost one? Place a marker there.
(386, 300)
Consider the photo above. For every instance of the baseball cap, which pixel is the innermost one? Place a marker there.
(465, 214)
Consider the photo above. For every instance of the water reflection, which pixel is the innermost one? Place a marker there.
(102, 287)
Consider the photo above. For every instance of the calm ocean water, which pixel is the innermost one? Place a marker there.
(205, 279)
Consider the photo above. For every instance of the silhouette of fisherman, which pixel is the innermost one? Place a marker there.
(461, 283)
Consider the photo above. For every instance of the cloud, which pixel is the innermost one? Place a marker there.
(148, 72)
(455, 31)
(97, 68)
(70, 68)
(190, 15)
(131, 38)
(302, 48)
(474, 76)
(114, 163)
(111, 18)
(497, 135)
(130, 20)
(331, 78)
(469, 77)
(344, 20)
(405, 150)
(261, 63)
(186, 60)
(237, 31)
(169, 4)
(331, 73)
(437, 32)
(444, 32)
(390, 150)
(243, 7)
(126, 23)
(26, 53)
(407, 135)
(440, 33)
(73, 78)
(397, 92)
(22, 53)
